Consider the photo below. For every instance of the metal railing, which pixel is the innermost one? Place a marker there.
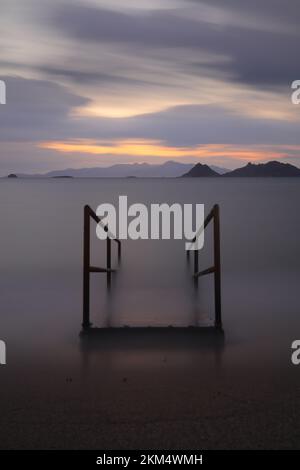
(216, 268)
(87, 268)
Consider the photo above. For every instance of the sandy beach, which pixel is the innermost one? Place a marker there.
(156, 397)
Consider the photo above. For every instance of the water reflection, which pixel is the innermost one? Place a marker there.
(141, 349)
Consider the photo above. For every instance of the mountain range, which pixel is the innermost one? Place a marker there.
(169, 169)
(173, 169)
(269, 169)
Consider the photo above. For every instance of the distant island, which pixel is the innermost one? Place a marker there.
(62, 176)
(273, 169)
(12, 175)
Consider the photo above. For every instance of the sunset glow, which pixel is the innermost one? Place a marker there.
(156, 149)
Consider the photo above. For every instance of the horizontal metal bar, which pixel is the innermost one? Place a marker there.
(205, 271)
(94, 269)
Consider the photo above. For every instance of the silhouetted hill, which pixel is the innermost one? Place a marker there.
(270, 169)
(199, 171)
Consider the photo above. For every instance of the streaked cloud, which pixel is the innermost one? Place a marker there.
(156, 149)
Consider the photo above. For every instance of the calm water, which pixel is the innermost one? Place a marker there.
(41, 269)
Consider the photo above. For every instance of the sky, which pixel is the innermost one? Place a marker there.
(98, 82)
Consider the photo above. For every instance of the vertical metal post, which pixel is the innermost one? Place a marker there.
(108, 260)
(86, 269)
(196, 261)
(217, 263)
(119, 252)
(196, 267)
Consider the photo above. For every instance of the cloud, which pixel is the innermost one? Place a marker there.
(269, 13)
(90, 77)
(139, 148)
(36, 109)
(39, 110)
(257, 57)
(147, 29)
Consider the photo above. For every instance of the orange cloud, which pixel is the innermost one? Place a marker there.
(152, 148)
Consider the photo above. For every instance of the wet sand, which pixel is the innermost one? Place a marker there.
(165, 390)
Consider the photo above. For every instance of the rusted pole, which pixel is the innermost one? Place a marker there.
(108, 260)
(196, 266)
(217, 262)
(86, 269)
(196, 261)
(119, 251)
